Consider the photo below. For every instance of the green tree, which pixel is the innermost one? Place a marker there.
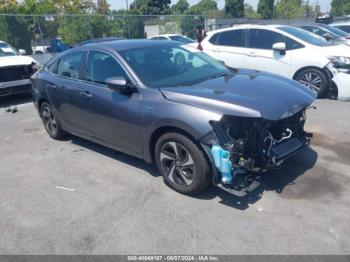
(288, 9)
(134, 26)
(102, 7)
(159, 7)
(151, 7)
(14, 30)
(309, 10)
(234, 8)
(340, 7)
(250, 13)
(204, 6)
(181, 6)
(189, 23)
(265, 8)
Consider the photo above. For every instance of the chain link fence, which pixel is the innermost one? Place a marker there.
(33, 32)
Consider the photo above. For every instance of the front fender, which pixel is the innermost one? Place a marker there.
(156, 115)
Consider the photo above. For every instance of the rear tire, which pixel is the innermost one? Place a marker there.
(51, 123)
(315, 79)
(182, 164)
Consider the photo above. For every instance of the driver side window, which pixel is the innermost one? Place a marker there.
(101, 66)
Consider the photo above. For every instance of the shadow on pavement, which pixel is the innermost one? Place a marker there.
(275, 180)
(127, 159)
(15, 100)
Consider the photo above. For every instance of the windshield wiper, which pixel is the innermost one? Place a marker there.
(216, 76)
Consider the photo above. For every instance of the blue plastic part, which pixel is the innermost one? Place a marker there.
(222, 162)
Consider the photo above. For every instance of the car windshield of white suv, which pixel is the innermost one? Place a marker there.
(305, 36)
(172, 65)
(7, 50)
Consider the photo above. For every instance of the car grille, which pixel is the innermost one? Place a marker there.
(14, 73)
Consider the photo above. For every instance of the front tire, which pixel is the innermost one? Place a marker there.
(315, 79)
(51, 122)
(182, 164)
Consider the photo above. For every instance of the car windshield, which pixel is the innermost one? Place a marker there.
(7, 50)
(172, 65)
(180, 38)
(335, 30)
(305, 36)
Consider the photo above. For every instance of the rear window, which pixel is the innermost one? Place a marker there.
(265, 39)
(69, 65)
(234, 38)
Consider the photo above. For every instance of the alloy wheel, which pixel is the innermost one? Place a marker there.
(49, 120)
(177, 163)
(311, 80)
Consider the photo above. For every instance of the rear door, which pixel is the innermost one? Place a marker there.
(261, 56)
(227, 46)
(64, 87)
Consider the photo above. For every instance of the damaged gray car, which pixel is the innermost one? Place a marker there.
(199, 121)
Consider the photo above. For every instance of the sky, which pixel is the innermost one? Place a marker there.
(117, 4)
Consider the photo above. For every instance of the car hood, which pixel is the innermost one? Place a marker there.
(335, 50)
(16, 60)
(246, 93)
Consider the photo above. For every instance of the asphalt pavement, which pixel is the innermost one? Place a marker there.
(77, 197)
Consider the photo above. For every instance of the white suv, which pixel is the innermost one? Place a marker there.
(284, 50)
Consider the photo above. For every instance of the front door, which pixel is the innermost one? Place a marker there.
(110, 116)
(261, 56)
(228, 46)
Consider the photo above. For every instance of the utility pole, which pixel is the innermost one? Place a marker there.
(127, 9)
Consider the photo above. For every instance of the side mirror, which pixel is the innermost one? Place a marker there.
(118, 83)
(222, 62)
(327, 36)
(22, 51)
(280, 47)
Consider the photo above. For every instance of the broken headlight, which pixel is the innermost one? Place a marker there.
(342, 63)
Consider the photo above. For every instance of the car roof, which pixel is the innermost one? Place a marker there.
(97, 40)
(247, 26)
(166, 35)
(124, 44)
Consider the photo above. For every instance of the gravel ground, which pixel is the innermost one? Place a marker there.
(76, 197)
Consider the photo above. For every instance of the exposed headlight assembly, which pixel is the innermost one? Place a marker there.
(341, 63)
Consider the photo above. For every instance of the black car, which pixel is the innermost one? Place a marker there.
(197, 120)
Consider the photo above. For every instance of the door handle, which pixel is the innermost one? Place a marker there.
(251, 54)
(85, 94)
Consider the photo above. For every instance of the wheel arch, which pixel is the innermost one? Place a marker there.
(311, 67)
(40, 102)
(168, 129)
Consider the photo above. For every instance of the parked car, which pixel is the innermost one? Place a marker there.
(328, 32)
(284, 50)
(15, 70)
(344, 26)
(97, 40)
(198, 121)
(174, 37)
(41, 49)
